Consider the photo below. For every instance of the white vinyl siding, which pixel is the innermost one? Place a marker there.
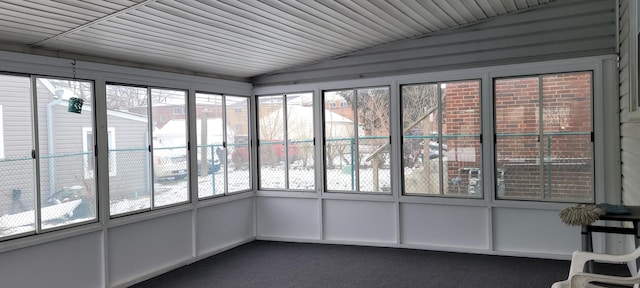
(1, 134)
(629, 114)
(88, 142)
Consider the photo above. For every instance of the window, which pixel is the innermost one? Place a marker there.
(441, 139)
(65, 197)
(176, 111)
(285, 132)
(238, 156)
(150, 156)
(357, 141)
(87, 148)
(223, 151)
(543, 144)
(17, 166)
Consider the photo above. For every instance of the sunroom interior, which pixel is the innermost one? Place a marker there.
(137, 137)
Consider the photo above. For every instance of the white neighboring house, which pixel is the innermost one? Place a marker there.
(301, 124)
(173, 133)
(170, 163)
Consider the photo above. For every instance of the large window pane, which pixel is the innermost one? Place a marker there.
(461, 138)
(356, 133)
(169, 147)
(566, 141)
(67, 188)
(17, 189)
(211, 151)
(544, 149)
(272, 142)
(373, 139)
(238, 156)
(130, 189)
(517, 130)
(420, 138)
(441, 131)
(300, 159)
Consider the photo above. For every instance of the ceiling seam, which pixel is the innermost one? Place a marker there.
(91, 23)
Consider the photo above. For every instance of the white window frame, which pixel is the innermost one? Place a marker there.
(1, 134)
(439, 116)
(285, 135)
(357, 128)
(111, 135)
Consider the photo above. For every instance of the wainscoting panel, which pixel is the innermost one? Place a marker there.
(363, 221)
(443, 225)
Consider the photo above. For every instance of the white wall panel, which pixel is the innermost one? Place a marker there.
(71, 262)
(368, 222)
(223, 225)
(288, 218)
(447, 226)
(145, 247)
(537, 231)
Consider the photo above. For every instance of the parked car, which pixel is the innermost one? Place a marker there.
(168, 164)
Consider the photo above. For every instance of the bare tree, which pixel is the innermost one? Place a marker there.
(125, 97)
(372, 109)
(418, 103)
(78, 88)
(270, 129)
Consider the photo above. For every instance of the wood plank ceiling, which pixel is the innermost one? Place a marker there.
(236, 39)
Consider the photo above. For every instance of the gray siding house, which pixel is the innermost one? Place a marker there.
(65, 148)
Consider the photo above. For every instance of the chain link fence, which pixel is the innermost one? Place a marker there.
(17, 196)
(211, 171)
(129, 188)
(367, 172)
(301, 161)
(67, 192)
(238, 167)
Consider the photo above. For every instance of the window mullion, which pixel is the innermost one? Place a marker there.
(285, 139)
(541, 137)
(36, 153)
(151, 150)
(355, 151)
(440, 160)
(223, 162)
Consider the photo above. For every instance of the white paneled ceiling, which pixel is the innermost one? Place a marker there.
(232, 38)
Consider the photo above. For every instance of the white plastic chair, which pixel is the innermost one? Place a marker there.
(579, 279)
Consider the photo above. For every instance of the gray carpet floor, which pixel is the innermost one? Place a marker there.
(267, 264)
